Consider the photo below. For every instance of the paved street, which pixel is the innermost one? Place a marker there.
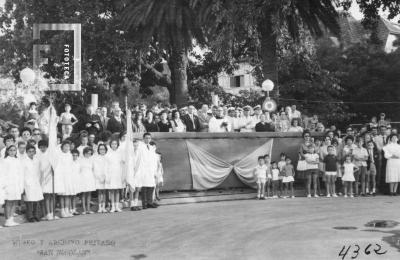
(246, 229)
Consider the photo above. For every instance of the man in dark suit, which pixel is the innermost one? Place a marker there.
(191, 120)
(116, 124)
(104, 117)
(90, 121)
(263, 126)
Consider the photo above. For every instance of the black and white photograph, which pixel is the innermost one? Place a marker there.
(200, 129)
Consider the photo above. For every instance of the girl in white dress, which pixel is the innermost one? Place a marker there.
(392, 154)
(63, 183)
(101, 175)
(115, 183)
(87, 179)
(33, 189)
(14, 184)
(348, 175)
(84, 143)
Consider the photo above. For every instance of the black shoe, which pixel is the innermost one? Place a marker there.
(133, 209)
(144, 207)
(152, 205)
(31, 220)
(37, 219)
(138, 208)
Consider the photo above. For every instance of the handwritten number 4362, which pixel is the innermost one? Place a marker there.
(356, 250)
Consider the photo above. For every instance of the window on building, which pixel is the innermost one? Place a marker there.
(237, 81)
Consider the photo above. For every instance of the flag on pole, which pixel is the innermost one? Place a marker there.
(129, 151)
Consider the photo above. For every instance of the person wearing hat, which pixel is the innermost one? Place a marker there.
(233, 120)
(204, 118)
(257, 113)
(219, 123)
(246, 121)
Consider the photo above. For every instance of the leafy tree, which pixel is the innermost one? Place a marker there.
(174, 25)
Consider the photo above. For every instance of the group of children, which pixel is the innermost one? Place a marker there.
(27, 173)
(357, 166)
(275, 174)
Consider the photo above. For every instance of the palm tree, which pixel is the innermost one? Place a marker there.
(314, 15)
(173, 24)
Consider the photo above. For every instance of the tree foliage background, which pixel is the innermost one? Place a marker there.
(331, 81)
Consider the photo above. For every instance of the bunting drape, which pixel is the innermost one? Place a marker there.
(209, 171)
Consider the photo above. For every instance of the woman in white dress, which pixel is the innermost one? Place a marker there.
(33, 189)
(115, 183)
(392, 154)
(101, 174)
(87, 179)
(14, 183)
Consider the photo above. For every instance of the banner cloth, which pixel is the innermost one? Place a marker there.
(209, 171)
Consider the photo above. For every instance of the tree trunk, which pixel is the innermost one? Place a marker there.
(269, 51)
(178, 64)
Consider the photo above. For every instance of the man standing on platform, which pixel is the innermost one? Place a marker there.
(104, 117)
(146, 170)
(246, 122)
(90, 121)
(263, 126)
(204, 118)
(191, 120)
(219, 123)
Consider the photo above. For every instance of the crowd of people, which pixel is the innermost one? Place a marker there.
(351, 165)
(38, 166)
(89, 156)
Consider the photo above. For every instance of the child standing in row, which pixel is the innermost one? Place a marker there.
(312, 160)
(288, 178)
(87, 179)
(348, 176)
(14, 184)
(330, 162)
(281, 165)
(33, 190)
(102, 176)
(360, 160)
(275, 179)
(260, 174)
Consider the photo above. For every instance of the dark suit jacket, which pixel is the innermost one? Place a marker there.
(89, 119)
(116, 127)
(104, 122)
(266, 127)
(189, 123)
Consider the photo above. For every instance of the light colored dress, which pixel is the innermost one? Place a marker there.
(392, 165)
(33, 189)
(348, 174)
(87, 179)
(76, 175)
(14, 178)
(101, 171)
(63, 177)
(115, 170)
